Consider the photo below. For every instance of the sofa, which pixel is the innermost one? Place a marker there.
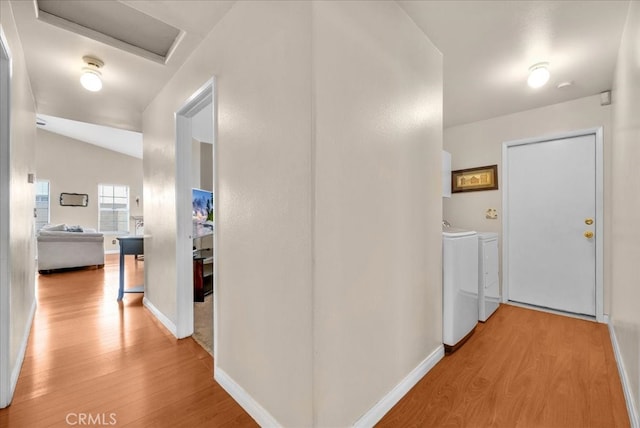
(62, 247)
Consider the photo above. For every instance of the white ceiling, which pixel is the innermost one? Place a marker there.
(201, 128)
(54, 62)
(487, 46)
(119, 140)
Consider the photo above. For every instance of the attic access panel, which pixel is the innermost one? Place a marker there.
(113, 23)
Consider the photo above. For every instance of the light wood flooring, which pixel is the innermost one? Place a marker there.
(523, 368)
(88, 354)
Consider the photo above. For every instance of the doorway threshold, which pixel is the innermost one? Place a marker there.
(552, 311)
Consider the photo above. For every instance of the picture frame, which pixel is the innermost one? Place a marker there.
(474, 179)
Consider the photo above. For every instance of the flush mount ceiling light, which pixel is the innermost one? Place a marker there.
(90, 78)
(538, 74)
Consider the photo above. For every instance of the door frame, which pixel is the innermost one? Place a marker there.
(201, 98)
(6, 387)
(599, 199)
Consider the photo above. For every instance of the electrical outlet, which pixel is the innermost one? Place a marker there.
(113, 242)
(491, 214)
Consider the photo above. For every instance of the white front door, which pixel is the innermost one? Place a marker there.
(550, 224)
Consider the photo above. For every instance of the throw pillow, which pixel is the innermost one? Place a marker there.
(55, 227)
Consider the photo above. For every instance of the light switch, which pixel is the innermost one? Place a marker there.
(491, 214)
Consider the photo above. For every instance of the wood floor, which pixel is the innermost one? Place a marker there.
(523, 368)
(89, 355)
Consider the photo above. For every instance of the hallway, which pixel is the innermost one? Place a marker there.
(89, 357)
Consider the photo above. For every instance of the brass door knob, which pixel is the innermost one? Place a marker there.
(588, 221)
(588, 234)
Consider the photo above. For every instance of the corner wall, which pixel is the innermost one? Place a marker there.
(22, 200)
(480, 143)
(378, 205)
(328, 208)
(625, 247)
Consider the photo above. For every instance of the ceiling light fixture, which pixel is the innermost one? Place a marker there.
(538, 74)
(90, 78)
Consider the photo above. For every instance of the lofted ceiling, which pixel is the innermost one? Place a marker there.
(487, 47)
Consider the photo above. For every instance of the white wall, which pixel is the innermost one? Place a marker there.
(202, 165)
(74, 166)
(480, 144)
(328, 152)
(22, 199)
(377, 291)
(625, 247)
(260, 54)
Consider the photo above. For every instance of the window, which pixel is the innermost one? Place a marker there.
(42, 204)
(113, 212)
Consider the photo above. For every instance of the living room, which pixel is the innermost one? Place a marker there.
(73, 166)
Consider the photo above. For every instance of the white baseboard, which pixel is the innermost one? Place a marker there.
(246, 401)
(169, 325)
(626, 386)
(381, 408)
(112, 251)
(15, 371)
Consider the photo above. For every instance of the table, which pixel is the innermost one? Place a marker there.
(129, 245)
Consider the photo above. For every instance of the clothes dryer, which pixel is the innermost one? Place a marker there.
(488, 275)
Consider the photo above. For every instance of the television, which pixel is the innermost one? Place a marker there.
(202, 212)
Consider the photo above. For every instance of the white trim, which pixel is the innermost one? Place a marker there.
(634, 418)
(184, 239)
(216, 308)
(599, 225)
(15, 373)
(246, 401)
(605, 319)
(112, 251)
(599, 220)
(169, 325)
(184, 242)
(381, 408)
(5, 221)
(504, 173)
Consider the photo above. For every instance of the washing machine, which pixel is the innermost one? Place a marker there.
(460, 286)
(488, 276)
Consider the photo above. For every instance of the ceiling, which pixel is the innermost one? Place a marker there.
(54, 61)
(487, 46)
(107, 137)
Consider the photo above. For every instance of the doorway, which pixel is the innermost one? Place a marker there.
(553, 222)
(5, 265)
(203, 100)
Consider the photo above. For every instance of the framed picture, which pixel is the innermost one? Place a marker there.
(74, 199)
(473, 179)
